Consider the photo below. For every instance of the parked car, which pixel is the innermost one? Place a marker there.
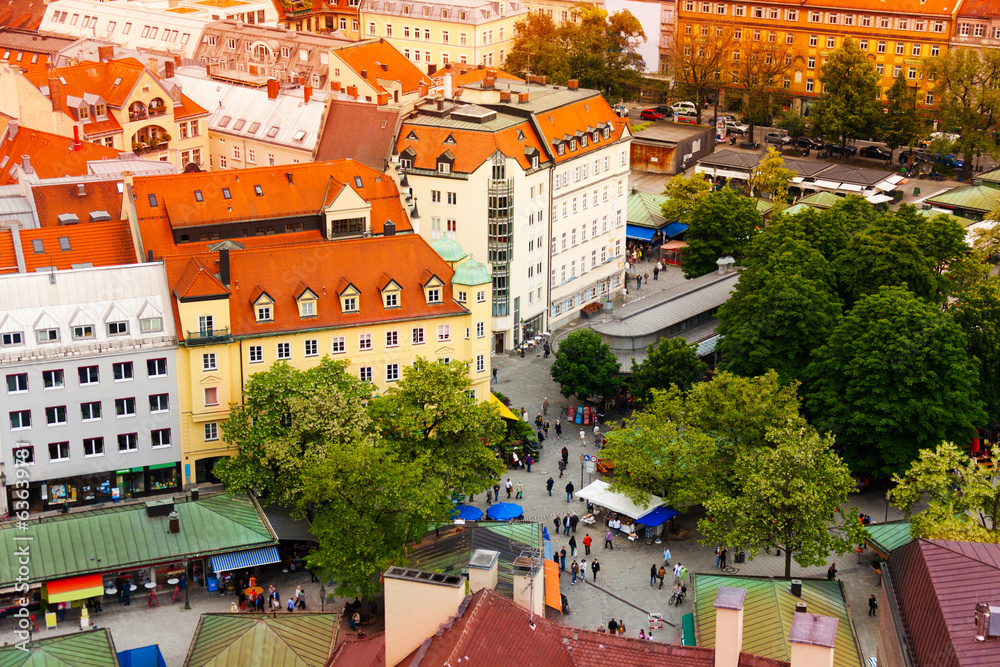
(684, 107)
(949, 161)
(651, 114)
(876, 153)
(732, 127)
(621, 110)
(835, 149)
(665, 110)
(777, 138)
(807, 142)
(683, 117)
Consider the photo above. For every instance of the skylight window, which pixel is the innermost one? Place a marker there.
(198, 196)
(226, 194)
(299, 136)
(259, 190)
(273, 131)
(118, 81)
(357, 182)
(254, 127)
(239, 124)
(152, 200)
(38, 246)
(225, 121)
(64, 243)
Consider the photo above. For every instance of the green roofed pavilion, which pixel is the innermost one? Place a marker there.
(970, 201)
(91, 648)
(884, 537)
(302, 639)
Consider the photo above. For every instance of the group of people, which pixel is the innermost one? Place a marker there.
(248, 599)
(577, 568)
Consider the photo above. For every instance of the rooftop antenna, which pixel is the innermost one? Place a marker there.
(52, 271)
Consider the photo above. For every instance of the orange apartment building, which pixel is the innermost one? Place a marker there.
(897, 37)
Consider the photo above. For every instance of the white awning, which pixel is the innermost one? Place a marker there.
(597, 492)
(797, 179)
(724, 173)
(895, 178)
(886, 186)
(851, 187)
(829, 185)
(878, 199)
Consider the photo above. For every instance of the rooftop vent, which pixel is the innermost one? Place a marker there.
(159, 507)
(797, 587)
(81, 190)
(68, 219)
(987, 621)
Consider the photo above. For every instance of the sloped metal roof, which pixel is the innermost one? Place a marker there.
(644, 210)
(821, 200)
(980, 198)
(884, 537)
(302, 639)
(90, 648)
(731, 159)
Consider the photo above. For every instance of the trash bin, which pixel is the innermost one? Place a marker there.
(916, 192)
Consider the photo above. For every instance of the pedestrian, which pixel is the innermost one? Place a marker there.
(575, 570)
(566, 524)
(496, 490)
(558, 429)
(608, 542)
(662, 572)
(558, 523)
(638, 281)
(722, 557)
(646, 276)
(291, 605)
(545, 427)
(583, 570)
(872, 605)
(652, 575)
(545, 405)
(569, 491)
(546, 348)
(656, 272)
(528, 460)
(495, 369)
(562, 467)
(613, 626)
(595, 567)
(562, 559)
(489, 496)
(583, 437)
(642, 634)
(510, 487)
(573, 522)
(666, 556)
(355, 619)
(831, 572)
(572, 545)
(718, 555)
(586, 544)
(677, 571)
(548, 485)
(524, 414)
(565, 452)
(538, 420)
(621, 627)
(520, 489)
(541, 437)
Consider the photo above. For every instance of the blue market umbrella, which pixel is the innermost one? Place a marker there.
(467, 512)
(504, 511)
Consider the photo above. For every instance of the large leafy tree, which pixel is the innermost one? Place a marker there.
(771, 177)
(849, 106)
(977, 311)
(757, 69)
(965, 83)
(373, 472)
(962, 499)
(670, 362)
(894, 377)
(585, 366)
(697, 62)
(791, 495)
(538, 48)
(901, 125)
(721, 223)
(683, 192)
(654, 455)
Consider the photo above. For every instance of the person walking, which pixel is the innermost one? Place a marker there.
(666, 556)
(656, 272)
(562, 559)
(595, 567)
(662, 572)
(558, 523)
(510, 487)
(548, 485)
(831, 572)
(565, 452)
(586, 544)
(621, 627)
(562, 467)
(495, 369)
(569, 491)
(528, 461)
(496, 490)
(520, 488)
(718, 555)
(291, 605)
(545, 427)
(546, 349)
(613, 626)
(538, 420)
(558, 429)
(574, 521)
(583, 437)
(583, 570)
(575, 570)
(566, 523)
(608, 542)
(722, 557)
(572, 545)
(652, 575)
(677, 571)
(872, 605)
(545, 406)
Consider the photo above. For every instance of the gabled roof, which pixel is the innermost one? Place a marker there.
(94, 243)
(821, 199)
(885, 537)
(305, 639)
(29, 50)
(22, 15)
(376, 124)
(473, 146)
(8, 257)
(51, 155)
(52, 201)
(978, 198)
(942, 8)
(196, 281)
(644, 210)
(124, 537)
(368, 652)
(979, 9)
(90, 648)
(371, 55)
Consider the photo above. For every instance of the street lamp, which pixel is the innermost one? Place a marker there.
(187, 583)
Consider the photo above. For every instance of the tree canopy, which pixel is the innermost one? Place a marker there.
(585, 366)
(683, 192)
(721, 223)
(771, 177)
(977, 311)
(697, 62)
(670, 362)
(538, 49)
(848, 106)
(901, 125)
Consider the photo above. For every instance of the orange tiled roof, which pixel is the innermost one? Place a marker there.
(371, 55)
(197, 280)
(463, 74)
(321, 267)
(8, 258)
(18, 14)
(99, 243)
(942, 8)
(51, 154)
(52, 201)
(563, 123)
(470, 147)
(983, 9)
(313, 186)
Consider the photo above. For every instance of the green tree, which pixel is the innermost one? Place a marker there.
(603, 50)
(792, 496)
(962, 499)
(977, 311)
(654, 455)
(585, 366)
(848, 106)
(902, 122)
(538, 48)
(771, 177)
(697, 62)
(670, 362)
(721, 223)
(965, 83)
(792, 123)
(757, 69)
(895, 377)
(683, 192)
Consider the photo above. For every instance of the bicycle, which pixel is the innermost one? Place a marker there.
(676, 598)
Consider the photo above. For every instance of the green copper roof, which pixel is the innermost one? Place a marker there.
(768, 613)
(91, 648)
(976, 198)
(450, 251)
(302, 639)
(644, 210)
(821, 199)
(795, 209)
(124, 536)
(992, 176)
(929, 213)
(764, 206)
(471, 272)
(884, 537)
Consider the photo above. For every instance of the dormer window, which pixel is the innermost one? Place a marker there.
(84, 112)
(349, 299)
(307, 304)
(607, 133)
(263, 308)
(100, 110)
(433, 289)
(391, 292)
(572, 145)
(561, 149)
(264, 314)
(597, 137)
(583, 141)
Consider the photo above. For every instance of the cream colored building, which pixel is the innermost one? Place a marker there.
(478, 32)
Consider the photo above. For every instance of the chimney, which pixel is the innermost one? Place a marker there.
(177, 61)
(440, 105)
(168, 69)
(528, 576)
(149, 255)
(55, 93)
(573, 84)
(447, 85)
(725, 264)
(481, 67)
(423, 89)
(26, 164)
(797, 587)
(389, 228)
(307, 93)
(272, 89)
(105, 53)
(224, 266)
(417, 603)
(153, 65)
(801, 608)
(195, 494)
(813, 638)
(431, 70)
(208, 69)
(12, 126)
(352, 91)
(505, 97)
(483, 570)
(175, 522)
(364, 74)
(522, 98)
(489, 83)
(81, 190)
(729, 626)
(384, 66)
(335, 86)
(383, 99)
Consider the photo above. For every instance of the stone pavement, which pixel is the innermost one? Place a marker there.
(623, 589)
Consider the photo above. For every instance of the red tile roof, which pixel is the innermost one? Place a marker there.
(20, 14)
(51, 155)
(563, 124)
(322, 267)
(8, 258)
(52, 201)
(981, 9)
(360, 653)
(99, 243)
(371, 55)
(471, 148)
(376, 124)
(942, 8)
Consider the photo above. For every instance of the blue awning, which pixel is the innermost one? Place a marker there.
(674, 229)
(659, 515)
(241, 560)
(639, 233)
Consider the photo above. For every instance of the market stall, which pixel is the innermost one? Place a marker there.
(671, 252)
(620, 508)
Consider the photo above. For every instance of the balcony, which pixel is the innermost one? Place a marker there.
(207, 336)
(137, 115)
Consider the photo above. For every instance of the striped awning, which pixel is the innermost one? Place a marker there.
(73, 588)
(241, 560)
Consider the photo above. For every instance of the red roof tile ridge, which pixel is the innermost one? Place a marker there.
(197, 280)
